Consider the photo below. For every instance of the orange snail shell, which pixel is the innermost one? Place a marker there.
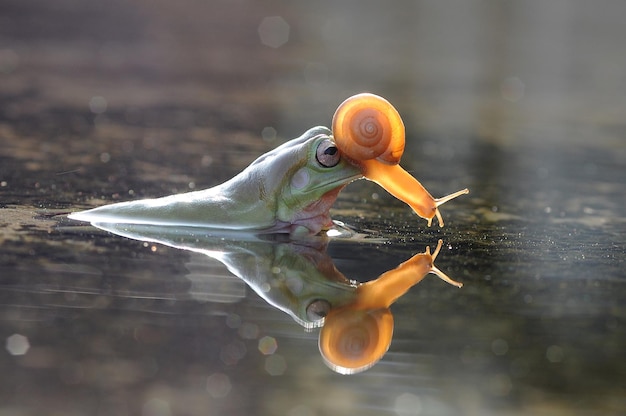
(366, 126)
(354, 340)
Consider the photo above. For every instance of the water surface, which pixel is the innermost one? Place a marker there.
(523, 103)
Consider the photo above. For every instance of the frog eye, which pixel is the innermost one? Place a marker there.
(327, 154)
(318, 309)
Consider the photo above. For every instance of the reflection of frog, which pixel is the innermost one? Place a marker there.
(301, 280)
(287, 190)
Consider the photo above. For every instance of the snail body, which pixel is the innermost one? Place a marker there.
(369, 131)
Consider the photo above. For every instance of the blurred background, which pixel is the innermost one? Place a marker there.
(524, 102)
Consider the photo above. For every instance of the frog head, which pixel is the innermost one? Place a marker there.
(307, 174)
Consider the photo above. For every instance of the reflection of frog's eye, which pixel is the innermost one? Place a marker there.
(327, 154)
(318, 309)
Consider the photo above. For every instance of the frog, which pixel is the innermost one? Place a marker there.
(289, 189)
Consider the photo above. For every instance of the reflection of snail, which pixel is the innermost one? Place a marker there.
(354, 340)
(369, 131)
(355, 336)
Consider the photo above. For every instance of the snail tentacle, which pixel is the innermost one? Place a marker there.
(443, 200)
(434, 270)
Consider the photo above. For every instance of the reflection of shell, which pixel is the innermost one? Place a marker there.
(354, 340)
(366, 127)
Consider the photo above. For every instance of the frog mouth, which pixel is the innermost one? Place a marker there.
(332, 185)
(316, 216)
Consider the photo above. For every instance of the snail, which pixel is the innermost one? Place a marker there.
(356, 335)
(369, 131)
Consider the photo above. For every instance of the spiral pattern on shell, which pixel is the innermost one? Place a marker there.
(366, 126)
(352, 341)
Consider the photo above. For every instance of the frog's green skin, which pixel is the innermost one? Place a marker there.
(286, 190)
(298, 278)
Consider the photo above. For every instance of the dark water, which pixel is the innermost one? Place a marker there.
(522, 102)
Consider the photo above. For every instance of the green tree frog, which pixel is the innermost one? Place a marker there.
(287, 190)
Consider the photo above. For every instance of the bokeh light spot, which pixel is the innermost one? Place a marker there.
(408, 404)
(98, 104)
(512, 89)
(268, 345)
(230, 354)
(269, 134)
(274, 31)
(218, 385)
(17, 344)
(275, 365)
(248, 330)
(555, 354)
(233, 320)
(156, 407)
(499, 347)
(206, 161)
